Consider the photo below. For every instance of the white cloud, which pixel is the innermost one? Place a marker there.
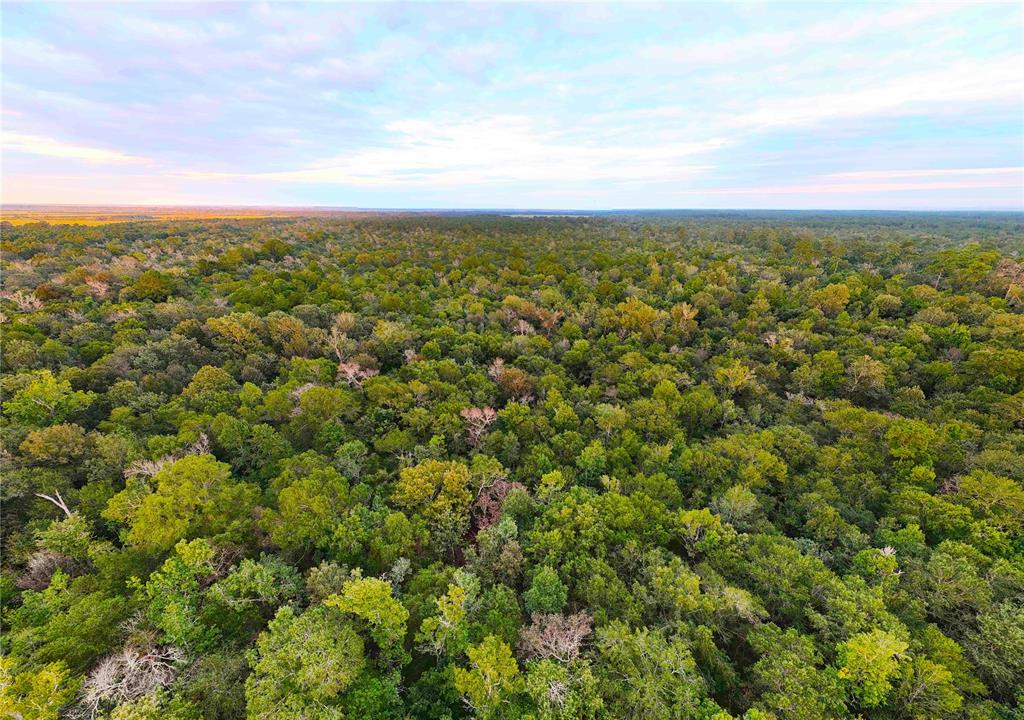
(35, 53)
(855, 187)
(475, 59)
(954, 88)
(929, 172)
(501, 149)
(583, 101)
(832, 32)
(50, 147)
(987, 80)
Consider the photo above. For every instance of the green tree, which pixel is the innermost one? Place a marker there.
(869, 661)
(302, 665)
(446, 632)
(547, 592)
(192, 497)
(35, 694)
(55, 445)
(152, 285)
(647, 673)
(793, 685)
(997, 649)
(173, 596)
(492, 677)
(212, 390)
(991, 497)
(371, 600)
(832, 299)
(562, 693)
(309, 509)
(45, 400)
(438, 491)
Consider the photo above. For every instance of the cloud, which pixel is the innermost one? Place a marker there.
(963, 83)
(37, 145)
(607, 104)
(832, 32)
(474, 60)
(351, 73)
(498, 149)
(32, 52)
(929, 172)
(960, 88)
(819, 188)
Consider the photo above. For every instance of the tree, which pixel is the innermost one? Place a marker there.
(555, 637)
(44, 400)
(292, 336)
(562, 693)
(832, 299)
(547, 593)
(477, 422)
(700, 410)
(592, 461)
(152, 285)
(350, 450)
(257, 585)
(869, 661)
(439, 491)
(35, 694)
(174, 599)
(997, 648)
(212, 390)
(867, 377)
(55, 445)
(792, 684)
(302, 665)
(997, 499)
(645, 673)
(64, 623)
(447, 631)
(131, 675)
(372, 601)
(191, 497)
(926, 689)
(492, 677)
(636, 316)
(309, 509)
(610, 418)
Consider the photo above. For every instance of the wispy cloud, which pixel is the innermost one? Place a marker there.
(503, 149)
(992, 79)
(567, 105)
(794, 41)
(14, 142)
(928, 172)
(37, 53)
(856, 187)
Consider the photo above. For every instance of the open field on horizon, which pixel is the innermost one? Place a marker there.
(103, 214)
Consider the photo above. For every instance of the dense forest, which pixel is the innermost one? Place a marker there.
(700, 466)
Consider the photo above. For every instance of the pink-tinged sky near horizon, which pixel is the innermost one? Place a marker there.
(587, 106)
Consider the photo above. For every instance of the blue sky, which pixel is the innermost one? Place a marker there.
(589, 106)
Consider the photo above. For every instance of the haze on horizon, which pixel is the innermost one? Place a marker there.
(838, 105)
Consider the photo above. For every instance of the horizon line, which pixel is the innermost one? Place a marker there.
(491, 209)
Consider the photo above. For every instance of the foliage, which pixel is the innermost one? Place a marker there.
(869, 661)
(302, 664)
(35, 694)
(492, 676)
(673, 465)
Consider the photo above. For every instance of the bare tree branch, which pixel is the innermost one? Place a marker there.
(58, 501)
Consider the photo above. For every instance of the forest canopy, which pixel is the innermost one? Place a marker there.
(701, 466)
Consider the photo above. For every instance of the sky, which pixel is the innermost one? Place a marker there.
(515, 105)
